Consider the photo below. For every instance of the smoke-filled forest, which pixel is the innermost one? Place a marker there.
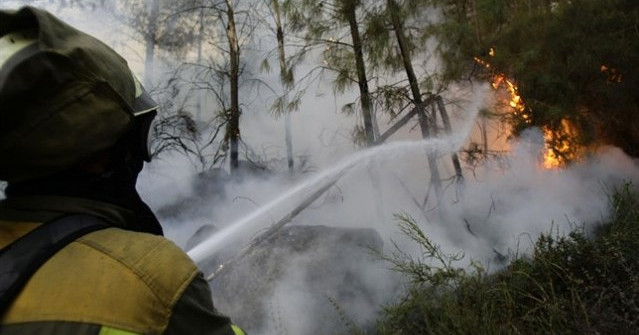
(396, 166)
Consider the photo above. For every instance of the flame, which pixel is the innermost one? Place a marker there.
(557, 145)
(514, 101)
(552, 160)
(499, 80)
(559, 148)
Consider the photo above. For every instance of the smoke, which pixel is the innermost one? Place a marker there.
(498, 213)
(504, 205)
(507, 206)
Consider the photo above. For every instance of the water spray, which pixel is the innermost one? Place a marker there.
(281, 206)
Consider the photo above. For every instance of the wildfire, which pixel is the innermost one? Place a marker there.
(552, 157)
(519, 109)
(499, 80)
(557, 146)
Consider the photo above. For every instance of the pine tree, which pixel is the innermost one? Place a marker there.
(574, 62)
(326, 24)
(286, 78)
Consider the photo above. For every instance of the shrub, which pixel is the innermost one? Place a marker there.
(575, 284)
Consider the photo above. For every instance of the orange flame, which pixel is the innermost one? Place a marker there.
(552, 160)
(557, 149)
(514, 101)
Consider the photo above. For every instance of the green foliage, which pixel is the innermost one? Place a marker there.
(575, 284)
(440, 274)
(573, 60)
(286, 104)
(265, 65)
(392, 98)
(343, 64)
(383, 52)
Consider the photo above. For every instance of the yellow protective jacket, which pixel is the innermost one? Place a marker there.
(108, 282)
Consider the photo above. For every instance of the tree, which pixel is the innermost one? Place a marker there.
(218, 73)
(398, 26)
(574, 63)
(397, 31)
(327, 24)
(348, 10)
(233, 125)
(162, 25)
(281, 105)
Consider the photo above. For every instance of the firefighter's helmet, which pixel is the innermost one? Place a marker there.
(64, 95)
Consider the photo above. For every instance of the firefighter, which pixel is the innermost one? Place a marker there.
(81, 252)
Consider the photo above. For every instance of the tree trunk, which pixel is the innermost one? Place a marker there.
(362, 80)
(484, 136)
(398, 26)
(459, 177)
(288, 137)
(233, 126)
(149, 41)
(401, 122)
(287, 83)
(200, 41)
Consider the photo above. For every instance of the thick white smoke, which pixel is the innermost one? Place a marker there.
(501, 210)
